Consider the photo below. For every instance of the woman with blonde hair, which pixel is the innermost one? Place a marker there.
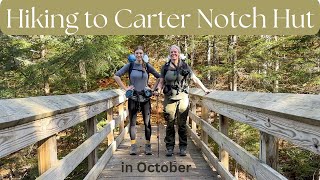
(174, 78)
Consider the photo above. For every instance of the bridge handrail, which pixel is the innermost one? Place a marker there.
(26, 121)
(293, 117)
(18, 111)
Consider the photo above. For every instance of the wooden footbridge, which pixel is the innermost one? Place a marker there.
(27, 121)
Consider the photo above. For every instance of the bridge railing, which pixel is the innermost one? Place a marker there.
(292, 117)
(27, 121)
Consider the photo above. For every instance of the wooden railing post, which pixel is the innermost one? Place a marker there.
(121, 111)
(223, 128)
(268, 149)
(205, 117)
(109, 118)
(91, 130)
(47, 154)
(194, 110)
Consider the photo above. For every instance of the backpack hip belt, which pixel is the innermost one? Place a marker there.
(168, 89)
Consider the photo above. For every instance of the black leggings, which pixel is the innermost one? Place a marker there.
(145, 107)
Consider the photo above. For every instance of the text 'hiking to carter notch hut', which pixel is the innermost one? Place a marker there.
(129, 19)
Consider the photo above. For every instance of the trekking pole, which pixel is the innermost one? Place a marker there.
(158, 129)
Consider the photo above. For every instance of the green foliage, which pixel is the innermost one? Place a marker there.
(256, 76)
(316, 81)
(217, 70)
(245, 136)
(298, 164)
(102, 121)
(27, 63)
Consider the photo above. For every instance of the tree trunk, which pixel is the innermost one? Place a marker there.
(265, 62)
(83, 75)
(276, 69)
(186, 45)
(232, 39)
(316, 175)
(215, 59)
(43, 53)
(236, 171)
(46, 86)
(276, 81)
(209, 49)
(192, 50)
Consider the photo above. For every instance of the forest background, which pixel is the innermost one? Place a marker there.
(54, 65)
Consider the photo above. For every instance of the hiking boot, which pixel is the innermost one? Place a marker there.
(183, 152)
(148, 149)
(169, 152)
(133, 150)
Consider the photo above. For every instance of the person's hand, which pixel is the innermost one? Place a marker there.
(156, 92)
(207, 91)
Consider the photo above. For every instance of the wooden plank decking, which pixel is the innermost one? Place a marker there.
(116, 167)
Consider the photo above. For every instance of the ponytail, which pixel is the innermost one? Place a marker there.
(144, 66)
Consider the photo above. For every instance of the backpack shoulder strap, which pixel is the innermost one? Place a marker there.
(185, 65)
(130, 68)
(166, 68)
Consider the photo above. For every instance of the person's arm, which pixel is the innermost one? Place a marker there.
(119, 73)
(160, 84)
(155, 86)
(159, 87)
(156, 75)
(197, 81)
(121, 84)
(161, 81)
